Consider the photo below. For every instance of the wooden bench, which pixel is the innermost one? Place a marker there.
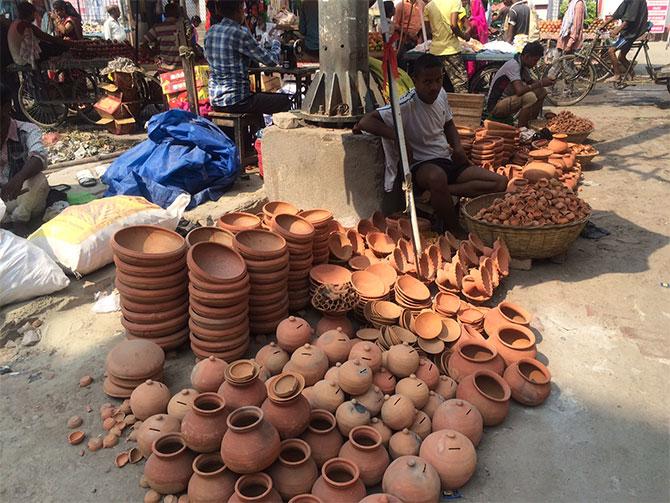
(244, 127)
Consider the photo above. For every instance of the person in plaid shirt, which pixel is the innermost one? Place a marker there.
(229, 48)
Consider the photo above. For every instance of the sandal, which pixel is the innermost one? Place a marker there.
(86, 178)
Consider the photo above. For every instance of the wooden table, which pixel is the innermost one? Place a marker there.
(303, 78)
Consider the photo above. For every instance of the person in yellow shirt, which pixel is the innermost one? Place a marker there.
(443, 17)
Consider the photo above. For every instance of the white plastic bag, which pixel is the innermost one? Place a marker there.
(79, 238)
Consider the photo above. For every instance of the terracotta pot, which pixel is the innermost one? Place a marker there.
(489, 393)
(536, 170)
(384, 431)
(529, 381)
(461, 416)
(506, 312)
(330, 322)
(242, 386)
(285, 407)
(351, 414)
(372, 399)
(309, 361)
(255, 488)
(212, 481)
(251, 443)
(292, 333)
(369, 354)
(415, 389)
(385, 381)
(326, 394)
(513, 342)
(170, 465)
(403, 360)
(397, 412)
(154, 427)
(410, 478)
(446, 387)
(355, 378)
(181, 403)
(434, 401)
(380, 498)
(339, 482)
(306, 498)
(272, 357)
(295, 471)
(208, 374)
(452, 455)
(468, 357)
(204, 425)
(428, 373)
(364, 448)
(148, 245)
(149, 398)
(404, 443)
(558, 144)
(336, 344)
(322, 436)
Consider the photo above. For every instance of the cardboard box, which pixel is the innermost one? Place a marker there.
(119, 126)
(175, 82)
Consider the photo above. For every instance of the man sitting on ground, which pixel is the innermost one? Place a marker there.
(633, 15)
(513, 90)
(437, 159)
(229, 48)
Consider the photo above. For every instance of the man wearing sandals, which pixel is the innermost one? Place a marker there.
(633, 15)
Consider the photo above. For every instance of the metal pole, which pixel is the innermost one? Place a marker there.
(137, 30)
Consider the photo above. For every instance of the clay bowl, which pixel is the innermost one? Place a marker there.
(451, 330)
(216, 287)
(210, 234)
(148, 245)
(340, 246)
(166, 342)
(412, 289)
(273, 208)
(155, 283)
(140, 296)
(238, 221)
(223, 344)
(154, 307)
(264, 266)
(471, 316)
(155, 316)
(218, 313)
(368, 285)
(156, 329)
(447, 303)
(384, 272)
(359, 263)
(226, 355)
(365, 226)
(134, 361)
(267, 298)
(387, 310)
(215, 263)
(219, 323)
(213, 335)
(329, 274)
(150, 271)
(380, 243)
(293, 228)
(428, 325)
(259, 244)
(318, 217)
(218, 299)
(277, 278)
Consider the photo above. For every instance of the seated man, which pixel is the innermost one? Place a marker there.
(23, 186)
(513, 90)
(229, 48)
(437, 159)
(161, 40)
(633, 15)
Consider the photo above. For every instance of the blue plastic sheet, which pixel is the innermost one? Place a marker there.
(184, 153)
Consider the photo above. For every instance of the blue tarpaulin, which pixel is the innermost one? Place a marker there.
(184, 153)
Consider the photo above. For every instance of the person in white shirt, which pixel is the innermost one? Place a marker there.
(437, 159)
(112, 29)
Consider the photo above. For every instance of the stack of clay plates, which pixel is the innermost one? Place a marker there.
(299, 236)
(328, 274)
(382, 312)
(129, 364)
(219, 301)
(369, 288)
(412, 294)
(467, 136)
(237, 221)
(446, 304)
(321, 220)
(473, 317)
(393, 335)
(428, 327)
(152, 283)
(267, 259)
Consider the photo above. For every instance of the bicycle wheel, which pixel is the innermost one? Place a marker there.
(481, 81)
(44, 107)
(575, 77)
(151, 97)
(602, 68)
(86, 92)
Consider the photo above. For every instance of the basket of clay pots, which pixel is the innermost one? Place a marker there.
(523, 242)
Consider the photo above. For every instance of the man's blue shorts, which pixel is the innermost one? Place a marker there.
(623, 43)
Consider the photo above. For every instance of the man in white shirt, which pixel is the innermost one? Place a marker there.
(437, 159)
(112, 29)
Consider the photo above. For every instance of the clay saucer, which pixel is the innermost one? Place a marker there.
(356, 241)
(451, 330)
(273, 208)
(210, 234)
(330, 274)
(471, 316)
(387, 310)
(151, 245)
(428, 325)
(138, 359)
(285, 386)
(218, 323)
(340, 246)
(368, 285)
(359, 263)
(381, 244)
(294, 228)
(111, 389)
(385, 272)
(317, 217)
(368, 334)
(260, 244)
(447, 303)
(156, 316)
(431, 346)
(411, 288)
(238, 221)
(241, 371)
(403, 334)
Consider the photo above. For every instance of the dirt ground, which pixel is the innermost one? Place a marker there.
(602, 315)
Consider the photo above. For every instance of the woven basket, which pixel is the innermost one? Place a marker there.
(585, 159)
(523, 242)
(577, 137)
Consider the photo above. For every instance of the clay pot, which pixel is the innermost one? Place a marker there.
(489, 393)
(385, 381)
(415, 389)
(382, 429)
(446, 387)
(330, 322)
(135, 360)
(326, 394)
(372, 399)
(181, 403)
(506, 312)
(309, 361)
(292, 333)
(336, 344)
(529, 381)
(536, 170)
(148, 245)
(211, 482)
(428, 373)
(339, 482)
(468, 357)
(208, 374)
(397, 412)
(305, 498)
(369, 354)
(272, 357)
(410, 478)
(154, 427)
(251, 443)
(364, 448)
(242, 386)
(452, 455)
(422, 424)
(434, 401)
(322, 436)
(513, 342)
(170, 466)
(285, 407)
(380, 498)
(204, 425)
(558, 144)
(404, 443)
(255, 488)
(461, 416)
(351, 414)
(149, 398)
(402, 360)
(354, 377)
(295, 471)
